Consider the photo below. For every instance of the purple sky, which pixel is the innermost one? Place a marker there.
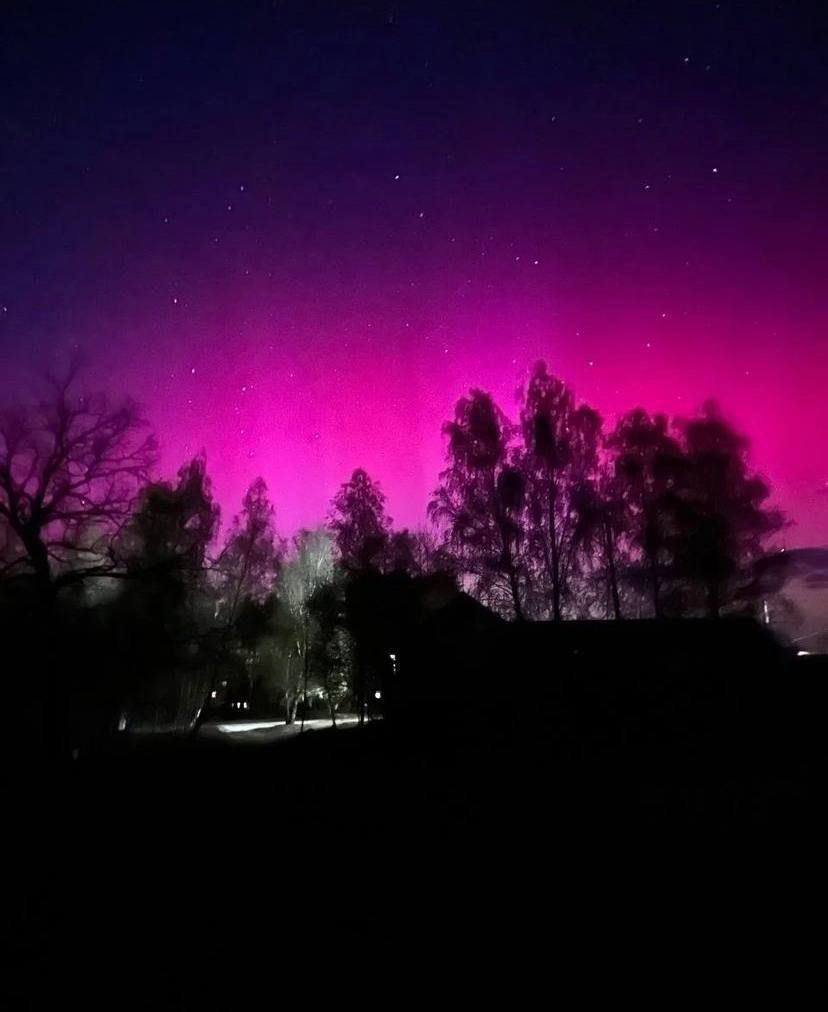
(298, 232)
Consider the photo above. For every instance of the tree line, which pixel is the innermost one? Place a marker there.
(550, 515)
(554, 516)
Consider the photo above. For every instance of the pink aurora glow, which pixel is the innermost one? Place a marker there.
(302, 404)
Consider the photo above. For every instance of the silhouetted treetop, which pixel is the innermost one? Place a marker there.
(480, 432)
(174, 524)
(360, 523)
(480, 500)
(561, 444)
(70, 469)
(547, 407)
(720, 507)
(648, 465)
(249, 561)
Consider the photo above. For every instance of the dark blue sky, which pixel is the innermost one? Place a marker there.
(297, 230)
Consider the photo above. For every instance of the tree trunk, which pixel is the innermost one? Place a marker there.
(55, 697)
(305, 688)
(556, 557)
(288, 693)
(515, 587)
(39, 559)
(305, 670)
(501, 522)
(654, 586)
(612, 574)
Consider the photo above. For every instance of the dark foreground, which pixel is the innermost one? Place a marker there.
(203, 860)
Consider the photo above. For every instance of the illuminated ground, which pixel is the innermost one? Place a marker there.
(263, 732)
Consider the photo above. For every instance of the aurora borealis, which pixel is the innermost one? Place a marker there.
(297, 232)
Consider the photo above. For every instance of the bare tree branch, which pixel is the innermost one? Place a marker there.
(70, 470)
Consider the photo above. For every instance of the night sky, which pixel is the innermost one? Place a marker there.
(297, 232)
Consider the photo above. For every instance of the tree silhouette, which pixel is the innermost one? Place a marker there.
(165, 607)
(721, 514)
(404, 554)
(359, 523)
(419, 553)
(173, 525)
(332, 649)
(480, 502)
(70, 470)
(549, 518)
(600, 526)
(249, 561)
(309, 568)
(648, 466)
(560, 458)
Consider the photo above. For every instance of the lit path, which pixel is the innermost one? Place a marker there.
(261, 732)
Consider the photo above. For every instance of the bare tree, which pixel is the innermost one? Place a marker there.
(332, 644)
(70, 470)
(309, 568)
(249, 561)
(561, 440)
(600, 524)
(648, 468)
(480, 502)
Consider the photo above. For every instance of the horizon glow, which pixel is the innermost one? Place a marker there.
(297, 239)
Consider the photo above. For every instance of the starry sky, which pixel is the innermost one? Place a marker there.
(298, 231)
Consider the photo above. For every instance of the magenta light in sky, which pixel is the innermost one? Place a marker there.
(298, 238)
